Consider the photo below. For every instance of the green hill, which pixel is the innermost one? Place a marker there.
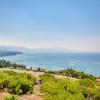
(8, 53)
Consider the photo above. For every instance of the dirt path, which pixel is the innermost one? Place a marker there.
(36, 74)
(23, 97)
(3, 94)
(64, 77)
(36, 96)
(30, 97)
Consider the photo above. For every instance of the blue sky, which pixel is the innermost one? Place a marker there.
(64, 24)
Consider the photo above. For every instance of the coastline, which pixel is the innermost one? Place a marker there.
(10, 53)
(58, 62)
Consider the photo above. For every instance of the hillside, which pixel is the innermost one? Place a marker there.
(8, 53)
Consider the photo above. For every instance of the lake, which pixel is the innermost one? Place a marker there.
(86, 62)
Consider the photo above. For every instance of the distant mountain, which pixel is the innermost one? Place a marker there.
(14, 48)
(8, 53)
(38, 50)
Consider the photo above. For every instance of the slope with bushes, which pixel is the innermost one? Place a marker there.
(65, 89)
(17, 83)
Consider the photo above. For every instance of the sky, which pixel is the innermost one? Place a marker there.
(71, 25)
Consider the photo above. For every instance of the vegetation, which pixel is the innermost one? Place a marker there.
(4, 64)
(40, 70)
(8, 53)
(13, 97)
(17, 83)
(65, 89)
(86, 88)
(73, 73)
(67, 72)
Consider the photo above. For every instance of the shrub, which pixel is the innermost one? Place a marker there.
(17, 83)
(73, 73)
(87, 82)
(3, 80)
(13, 97)
(62, 89)
(96, 95)
(21, 84)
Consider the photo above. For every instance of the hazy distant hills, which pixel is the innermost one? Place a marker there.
(8, 53)
(13, 48)
(38, 50)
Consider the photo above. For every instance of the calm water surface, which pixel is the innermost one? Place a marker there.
(89, 63)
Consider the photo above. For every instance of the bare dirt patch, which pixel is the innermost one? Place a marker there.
(4, 94)
(30, 97)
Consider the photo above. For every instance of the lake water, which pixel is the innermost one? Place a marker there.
(89, 63)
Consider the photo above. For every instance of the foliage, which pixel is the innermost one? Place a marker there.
(12, 97)
(97, 94)
(4, 64)
(73, 73)
(3, 80)
(66, 89)
(97, 83)
(87, 82)
(17, 83)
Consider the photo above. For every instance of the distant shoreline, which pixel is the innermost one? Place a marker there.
(88, 63)
(9, 53)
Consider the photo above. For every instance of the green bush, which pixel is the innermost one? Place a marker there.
(96, 95)
(87, 82)
(4, 64)
(65, 89)
(4, 78)
(21, 84)
(73, 73)
(17, 83)
(13, 97)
